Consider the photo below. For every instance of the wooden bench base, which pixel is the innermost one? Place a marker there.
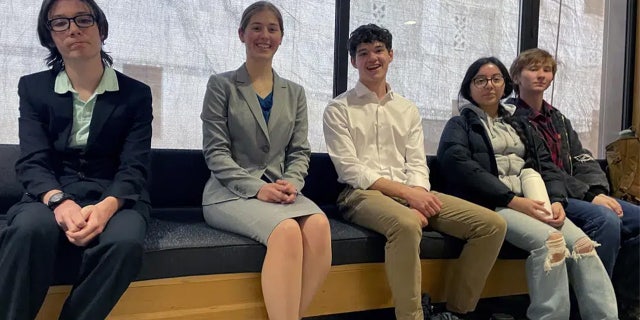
(348, 288)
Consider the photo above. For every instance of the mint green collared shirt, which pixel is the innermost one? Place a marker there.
(83, 110)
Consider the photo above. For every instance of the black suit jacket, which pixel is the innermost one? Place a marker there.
(115, 161)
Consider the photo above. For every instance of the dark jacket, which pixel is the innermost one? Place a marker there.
(582, 173)
(467, 161)
(115, 161)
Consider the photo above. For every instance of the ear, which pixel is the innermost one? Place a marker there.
(353, 62)
(391, 55)
(241, 34)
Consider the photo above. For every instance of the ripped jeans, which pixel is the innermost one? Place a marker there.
(559, 258)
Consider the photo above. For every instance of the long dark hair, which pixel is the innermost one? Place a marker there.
(54, 59)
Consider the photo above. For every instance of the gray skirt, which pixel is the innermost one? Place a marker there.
(254, 218)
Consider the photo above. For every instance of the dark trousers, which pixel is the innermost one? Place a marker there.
(33, 246)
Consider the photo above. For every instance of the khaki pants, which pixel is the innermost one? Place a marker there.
(483, 230)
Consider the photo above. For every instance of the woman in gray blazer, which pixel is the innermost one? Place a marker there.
(255, 144)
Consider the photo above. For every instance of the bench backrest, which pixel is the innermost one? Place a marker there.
(178, 178)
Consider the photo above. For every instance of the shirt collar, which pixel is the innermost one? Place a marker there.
(362, 90)
(108, 82)
(545, 111)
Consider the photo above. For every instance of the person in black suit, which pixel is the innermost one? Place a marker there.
(85, 138)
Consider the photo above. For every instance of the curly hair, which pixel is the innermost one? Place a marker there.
(368, 33)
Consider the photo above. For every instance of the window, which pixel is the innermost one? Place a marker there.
(434, 43)
(572, 31)
(175, 46)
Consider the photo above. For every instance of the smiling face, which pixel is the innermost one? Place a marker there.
(75, 43)
(262, 35)
(489, 96)
(535, 78)
(372, 61)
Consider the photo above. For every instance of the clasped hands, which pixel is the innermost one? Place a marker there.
(83, 224)
(536, 209)
(423, 203)
(281, 191)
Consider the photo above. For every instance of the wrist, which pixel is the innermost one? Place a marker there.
(56, 199)
(44, 198)
(405, 191)
(110, 204)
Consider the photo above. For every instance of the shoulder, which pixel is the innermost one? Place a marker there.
(467, 116)
(405, 104)
(291, 86)
(39, 78)
(341, 102)
(227, 78)
(126, 83)
(557, 114)
(459, 121)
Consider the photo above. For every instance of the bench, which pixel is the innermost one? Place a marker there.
(193, 271)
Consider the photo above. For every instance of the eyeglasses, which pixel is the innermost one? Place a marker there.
(63, 24)
(481, 82)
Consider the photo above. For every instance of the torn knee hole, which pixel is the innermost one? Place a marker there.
(584, 245)
(557, 250)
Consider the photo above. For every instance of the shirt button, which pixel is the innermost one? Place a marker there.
(265, 149)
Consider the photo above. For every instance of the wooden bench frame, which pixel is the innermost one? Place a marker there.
(348, 288)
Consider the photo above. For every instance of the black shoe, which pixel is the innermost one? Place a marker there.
(501, 316)
(445, 316)
(427, 308)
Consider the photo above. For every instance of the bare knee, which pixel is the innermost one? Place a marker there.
(316, 232)
(316, 224)
(556, 247)
(286, 232)
(584, 245)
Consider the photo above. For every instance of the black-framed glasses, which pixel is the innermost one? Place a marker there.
(481, 82)
(63, 24)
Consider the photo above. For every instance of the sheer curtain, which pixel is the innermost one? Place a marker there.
(572, 31)
(174, 46)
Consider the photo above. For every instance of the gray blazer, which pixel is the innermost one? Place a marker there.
(240, 147)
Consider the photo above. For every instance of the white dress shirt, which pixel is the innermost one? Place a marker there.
(369, 138)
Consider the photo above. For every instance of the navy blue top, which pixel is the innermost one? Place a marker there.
(265, 104)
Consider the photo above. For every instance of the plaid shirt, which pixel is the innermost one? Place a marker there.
(541, 121)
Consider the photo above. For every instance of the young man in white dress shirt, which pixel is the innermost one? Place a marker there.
(375, 139)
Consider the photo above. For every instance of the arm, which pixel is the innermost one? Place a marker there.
(342, 150)
(131, 176)
(553, 177)
(217, 141)
(415, 156)
(454, 157)
(298, 151)
(34, 167)
(586, 170)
